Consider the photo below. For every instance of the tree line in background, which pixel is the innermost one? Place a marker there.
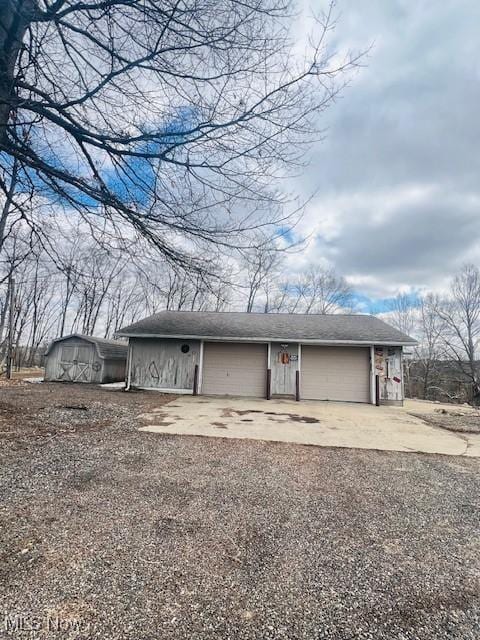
(444, 366)
(89, 286)
(169, 129)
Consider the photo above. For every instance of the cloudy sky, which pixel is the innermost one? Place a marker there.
(398, 176)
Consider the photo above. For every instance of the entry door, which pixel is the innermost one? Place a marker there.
(283, 363)
(75, 362)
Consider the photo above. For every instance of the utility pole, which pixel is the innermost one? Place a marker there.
(11, 316)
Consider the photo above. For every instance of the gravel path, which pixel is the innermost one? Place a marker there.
(137, 535)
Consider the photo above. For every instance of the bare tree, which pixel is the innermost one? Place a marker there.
(14, 259)
(424, 375)
(431, 330)
(9, 184)
(70, 263)
(460, 313)
(323, 291)
(260, 264)
(401, 312)
(315, 290)
(125, 303)
(36, 307)
(100, 270)
(176, 118)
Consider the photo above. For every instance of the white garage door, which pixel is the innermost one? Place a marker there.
(234, 369)
(335, 373)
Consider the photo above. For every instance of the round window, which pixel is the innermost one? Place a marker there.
(185, 348)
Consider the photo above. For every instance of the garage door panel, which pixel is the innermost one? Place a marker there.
(335, 373)
(234, 369)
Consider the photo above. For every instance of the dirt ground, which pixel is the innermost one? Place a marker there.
(458, 418)
(46, 410)
(108, 532)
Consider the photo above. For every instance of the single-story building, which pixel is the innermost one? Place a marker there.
(308, 356)
(79, 358)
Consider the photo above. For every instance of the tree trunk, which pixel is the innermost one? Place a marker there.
(8, 203)
(426, 381)
(15, 16)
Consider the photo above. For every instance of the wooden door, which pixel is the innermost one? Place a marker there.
(75, 362)
(284, 363)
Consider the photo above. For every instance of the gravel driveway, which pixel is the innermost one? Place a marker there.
(135, 535)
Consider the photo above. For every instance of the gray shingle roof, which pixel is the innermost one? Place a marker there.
(268, 326)
(106, 349)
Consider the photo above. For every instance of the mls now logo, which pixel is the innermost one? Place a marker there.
(25, 623)
(19, 623)
(66, 625)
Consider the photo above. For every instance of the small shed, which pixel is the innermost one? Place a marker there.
(79, 358)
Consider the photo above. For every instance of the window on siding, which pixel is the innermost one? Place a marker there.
(84, 353)
(67, 353)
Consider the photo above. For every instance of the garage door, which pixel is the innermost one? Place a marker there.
(234, 369)
(335, 373)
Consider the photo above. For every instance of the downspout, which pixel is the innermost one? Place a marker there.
(298, 374)
(129, 366)
(373, 382)
(200, 367)
(268, 395)
(402, 372)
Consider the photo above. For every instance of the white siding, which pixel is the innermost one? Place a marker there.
(234, 369)
(335, 373)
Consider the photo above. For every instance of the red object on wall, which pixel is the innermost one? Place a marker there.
(396, 379)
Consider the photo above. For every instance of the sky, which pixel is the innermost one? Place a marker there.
(397, 177)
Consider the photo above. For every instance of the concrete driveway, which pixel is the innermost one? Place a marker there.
(328, 424)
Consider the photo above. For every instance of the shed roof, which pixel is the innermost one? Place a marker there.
(106, 349)
(309, 328)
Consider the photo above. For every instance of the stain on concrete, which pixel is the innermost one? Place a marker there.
(316, 423)
(294, 417)
(303, 419)
(228, 412)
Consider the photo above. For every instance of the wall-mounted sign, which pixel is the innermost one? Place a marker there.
(293, 357)
(379, 361)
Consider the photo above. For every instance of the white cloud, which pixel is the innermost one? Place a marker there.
(397, 177)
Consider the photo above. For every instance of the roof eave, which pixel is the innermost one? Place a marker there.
(89, 339)
(380, 343)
